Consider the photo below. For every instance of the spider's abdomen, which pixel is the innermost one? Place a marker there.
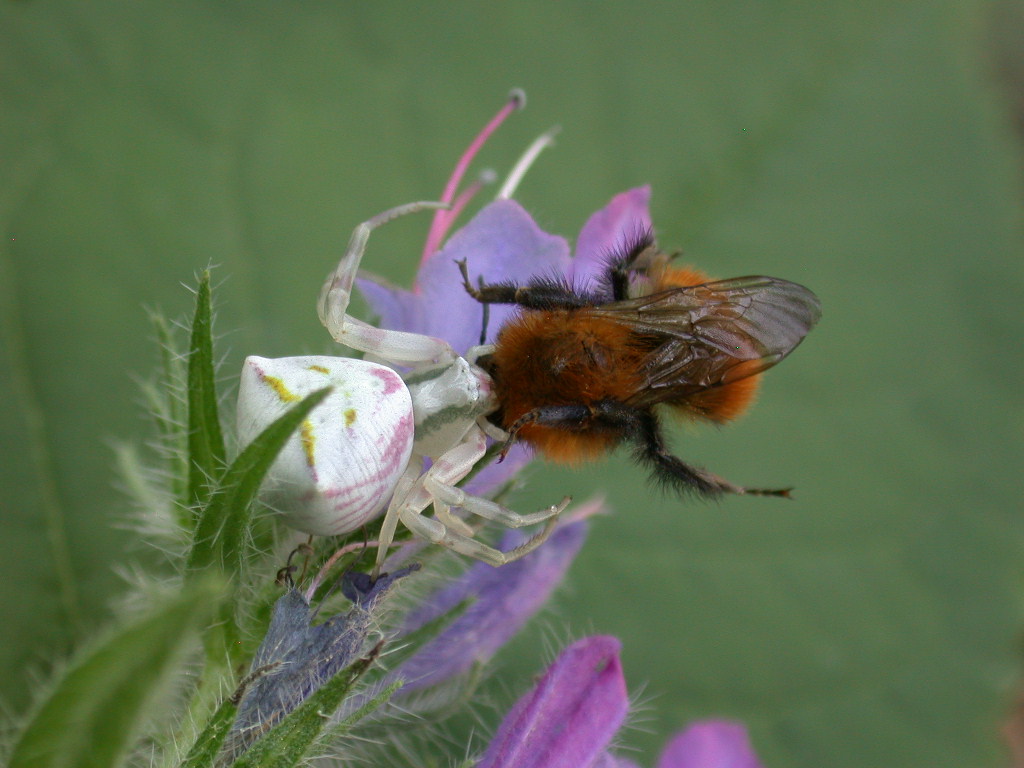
(338, 470)
(564, 357)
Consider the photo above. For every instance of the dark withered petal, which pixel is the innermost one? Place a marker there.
(297, 657)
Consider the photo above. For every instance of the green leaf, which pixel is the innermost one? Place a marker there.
(92, 715)
(207, 746)
(291, 740)
(221, 539)
(381, 698)
(170, 412)
(220, 535)
(206, 452)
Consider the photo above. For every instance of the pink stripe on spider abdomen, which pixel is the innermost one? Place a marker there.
(391, 380)
(359, 503)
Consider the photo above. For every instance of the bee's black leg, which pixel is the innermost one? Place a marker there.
(668, 470)
(572, 418)
(539, 294)
(673, 472)
(634, 248)
(486, 318)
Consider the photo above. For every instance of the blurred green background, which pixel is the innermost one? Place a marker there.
(865, 149)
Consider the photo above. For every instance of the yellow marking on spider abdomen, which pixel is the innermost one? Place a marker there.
(308, 440)
(285, 395)
(318, 369)
(306, 428)
(350, 416)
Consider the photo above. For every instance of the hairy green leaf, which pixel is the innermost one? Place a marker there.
(205, 440)
(92, 715)
(290, 742)
(171, 411)
(220, 535)
(207, 746)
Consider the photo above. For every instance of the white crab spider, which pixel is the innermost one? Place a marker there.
(366, 442)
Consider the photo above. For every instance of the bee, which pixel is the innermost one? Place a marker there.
(578, 372)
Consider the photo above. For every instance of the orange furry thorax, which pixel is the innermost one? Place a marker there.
(551, 357)
(664, 277)
(559, 357)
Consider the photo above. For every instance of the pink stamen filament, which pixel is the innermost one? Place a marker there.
(444, 219)
(487, 177)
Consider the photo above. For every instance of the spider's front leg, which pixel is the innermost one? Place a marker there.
(439, 482)
(437, 486)
(394, 346)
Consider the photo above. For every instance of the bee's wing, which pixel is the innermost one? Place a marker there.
(708, 335)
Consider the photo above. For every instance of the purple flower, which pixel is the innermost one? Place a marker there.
(710, 744)
(625, 214)
(501, 243)
(575, 710)
(570, 716)
(503, 600)
(608, 760)
(705, 744)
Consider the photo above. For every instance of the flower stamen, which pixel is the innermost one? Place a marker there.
(443, 219)
(487, 176)
(527, 159)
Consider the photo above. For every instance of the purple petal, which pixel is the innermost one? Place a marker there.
(492, 477)
(710, 744)
(505, 598)
(567, 720)
(364, 591)
(502, 242)
(626, 214)
(392, 305)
